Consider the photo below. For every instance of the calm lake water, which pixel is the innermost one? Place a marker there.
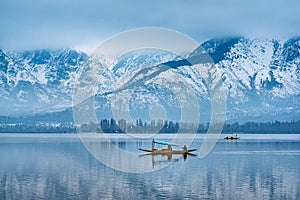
(60, 167)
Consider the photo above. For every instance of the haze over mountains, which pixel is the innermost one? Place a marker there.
(261, 78)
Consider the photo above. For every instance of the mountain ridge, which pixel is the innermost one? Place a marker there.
(260, 75)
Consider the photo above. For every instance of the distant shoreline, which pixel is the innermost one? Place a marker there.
(111, 126)
(141, 136)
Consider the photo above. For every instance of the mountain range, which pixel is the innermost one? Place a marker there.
(261, 78)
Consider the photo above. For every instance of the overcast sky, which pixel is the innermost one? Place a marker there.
(83, 24)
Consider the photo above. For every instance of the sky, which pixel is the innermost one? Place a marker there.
(83, 24)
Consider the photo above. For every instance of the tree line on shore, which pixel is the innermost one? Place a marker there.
(159, 126)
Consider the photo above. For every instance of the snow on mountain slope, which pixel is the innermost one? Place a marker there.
(260, 76)
(258, 66)
(34, 81)
(255, 81)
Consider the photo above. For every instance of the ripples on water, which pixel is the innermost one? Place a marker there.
(54, 168)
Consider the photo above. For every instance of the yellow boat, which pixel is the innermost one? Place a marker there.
(168, 150)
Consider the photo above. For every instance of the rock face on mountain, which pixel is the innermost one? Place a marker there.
(261, 78)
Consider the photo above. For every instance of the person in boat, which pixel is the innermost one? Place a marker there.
(185, 148)
(153, 144)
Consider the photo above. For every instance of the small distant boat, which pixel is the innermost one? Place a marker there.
(168, 150)
(232, 137)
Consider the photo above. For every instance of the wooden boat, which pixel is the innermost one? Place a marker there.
(232, 137)
(169, 150)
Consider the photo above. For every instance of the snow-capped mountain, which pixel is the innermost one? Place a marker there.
(261, 78)
(36, 81)
(262, 66)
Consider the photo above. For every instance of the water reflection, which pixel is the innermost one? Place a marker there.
(66, 170)
(158, 159)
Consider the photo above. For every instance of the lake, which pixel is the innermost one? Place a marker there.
(59, 166)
